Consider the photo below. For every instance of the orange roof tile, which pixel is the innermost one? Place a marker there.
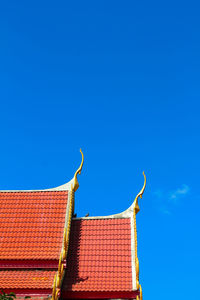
(31, 279)
(32, 224)
(99, 257)
(33, 297)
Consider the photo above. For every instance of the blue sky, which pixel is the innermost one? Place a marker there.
(120, 79)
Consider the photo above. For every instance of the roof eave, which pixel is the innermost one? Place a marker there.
(100, 294)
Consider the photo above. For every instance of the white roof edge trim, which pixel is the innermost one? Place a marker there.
(64, 187)
(123, 215)
(134, 286)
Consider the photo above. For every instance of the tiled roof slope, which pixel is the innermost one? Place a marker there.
(31, 224)
(32, 279)
(31, 239)
(99, 257)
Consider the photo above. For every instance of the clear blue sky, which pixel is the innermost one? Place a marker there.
(120, 79)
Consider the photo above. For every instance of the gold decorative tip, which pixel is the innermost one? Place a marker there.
(136, 206)
(76, 184)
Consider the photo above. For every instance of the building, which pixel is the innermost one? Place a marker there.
(46, 252)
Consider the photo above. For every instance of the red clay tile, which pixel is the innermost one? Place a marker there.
(31, 224)
(22, 279)
(99, 257)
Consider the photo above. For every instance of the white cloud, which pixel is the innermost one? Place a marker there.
(165, 201)
(158, 193)
(175, 195)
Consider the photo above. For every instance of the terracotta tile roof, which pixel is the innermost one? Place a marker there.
(21, 279)
(35, 297)
(99, 257)
(32, 224)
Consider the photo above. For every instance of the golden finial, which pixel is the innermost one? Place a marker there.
(136, 206)
(76, 185)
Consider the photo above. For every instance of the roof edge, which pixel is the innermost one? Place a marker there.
(71, 185)
(126, 213)
(123, 215)
(64, 187)
(100, 294)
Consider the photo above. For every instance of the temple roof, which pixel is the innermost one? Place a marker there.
(34, 236)
(32, 227)
(45, 253)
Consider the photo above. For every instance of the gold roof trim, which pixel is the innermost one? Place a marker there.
(135, 211)
(136, 206)
(63, 255)
(76, 184)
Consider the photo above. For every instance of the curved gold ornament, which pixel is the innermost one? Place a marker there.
(64, 254)
(57, 294)
(76, 184)
(136, 256)
(62, 270)
(60, 273)
(54, 287)
(58, 281)
(140, 292)
(60, 265)
(136, 206)
(135, 211)
(64, 240)
(137, 273)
